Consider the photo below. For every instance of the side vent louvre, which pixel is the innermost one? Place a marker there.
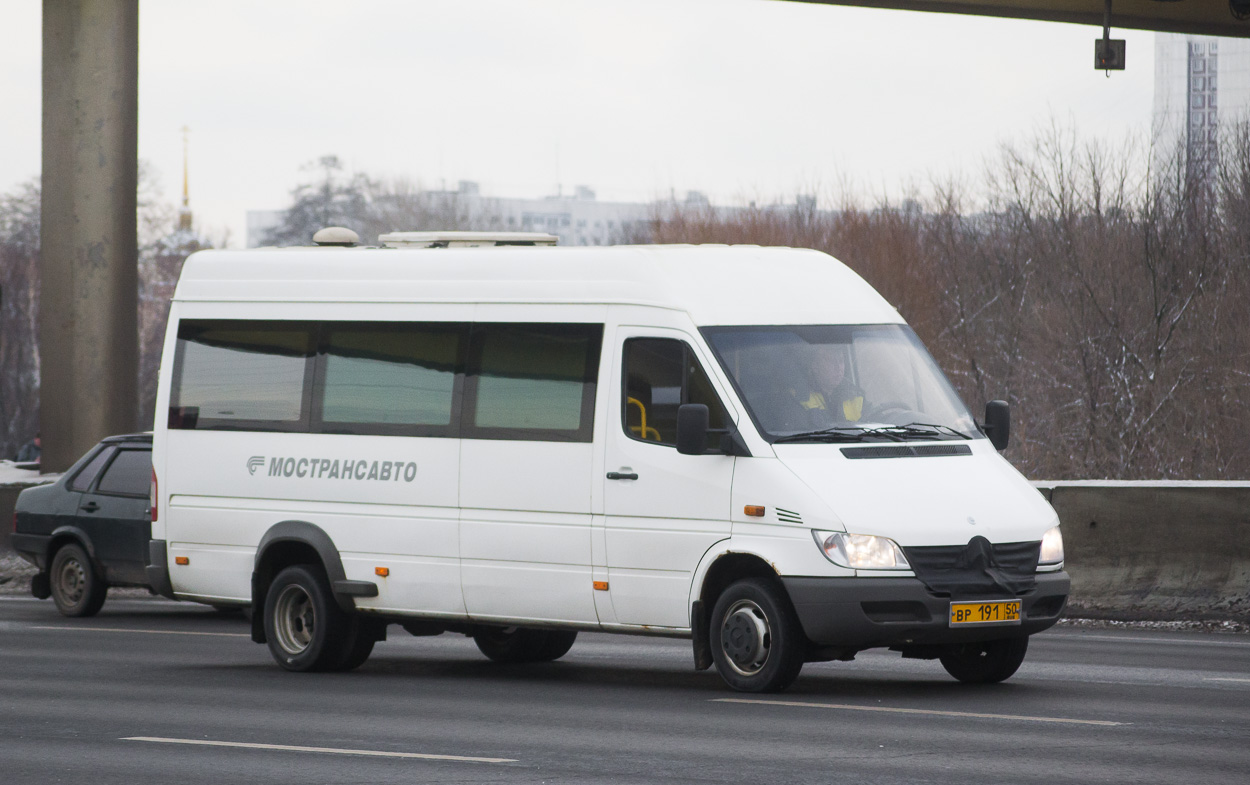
(788, 516)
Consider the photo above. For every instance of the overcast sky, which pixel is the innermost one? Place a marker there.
(741, 99)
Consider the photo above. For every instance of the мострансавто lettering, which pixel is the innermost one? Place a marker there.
(324, 468)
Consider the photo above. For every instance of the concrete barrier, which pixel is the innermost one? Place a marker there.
(1135, 550)
(1155, 550)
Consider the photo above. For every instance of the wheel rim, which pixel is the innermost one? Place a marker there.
(295, 620)
(72, 581)
(746, 637)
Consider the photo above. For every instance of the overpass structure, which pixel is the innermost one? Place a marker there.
(1229, 18)
(88, 342)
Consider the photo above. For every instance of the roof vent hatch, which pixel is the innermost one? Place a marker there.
(464, 239)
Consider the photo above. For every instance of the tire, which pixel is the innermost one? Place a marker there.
(556, 646)
(359, 652)
(76, 589)
(305, 627)
(757, 643)
(988, 662)
(519, 644)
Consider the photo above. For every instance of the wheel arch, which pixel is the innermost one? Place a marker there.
(65, 535)
(731, 566)
(718, 569)
(285, 544)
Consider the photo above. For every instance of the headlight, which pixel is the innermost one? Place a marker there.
(861, 551)
(1052, 547)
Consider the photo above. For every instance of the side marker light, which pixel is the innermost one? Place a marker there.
(754, 510)
(601, 585)
(382, 571)
(181, 560)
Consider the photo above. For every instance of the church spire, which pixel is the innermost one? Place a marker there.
(184, 213)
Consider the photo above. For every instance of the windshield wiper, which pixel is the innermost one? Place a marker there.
(841, 433)
(862, 433)
(914, 429)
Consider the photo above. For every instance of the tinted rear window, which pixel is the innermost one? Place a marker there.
(130, 473)
(241, 375)
(82, 481)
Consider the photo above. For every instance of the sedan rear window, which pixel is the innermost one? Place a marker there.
(85, 477)
(130, 473)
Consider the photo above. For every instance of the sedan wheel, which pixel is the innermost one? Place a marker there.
(76, 589)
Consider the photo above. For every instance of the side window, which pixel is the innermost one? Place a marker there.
(532, 381)
(242, 376)
(660, 375)
(396, 378)
(129, 474)
(82, 481)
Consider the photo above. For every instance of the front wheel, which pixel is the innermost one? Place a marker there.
(305, 627)
(76, 589)
(757, 643)
(987, 662)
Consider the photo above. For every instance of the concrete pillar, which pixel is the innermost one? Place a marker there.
(88, 341)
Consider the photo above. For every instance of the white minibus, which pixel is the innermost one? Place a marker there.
(484, 434)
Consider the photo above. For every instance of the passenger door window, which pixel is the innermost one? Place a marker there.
(532, 381)
(660, 375)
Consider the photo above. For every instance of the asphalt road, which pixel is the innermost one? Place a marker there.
(157, 692)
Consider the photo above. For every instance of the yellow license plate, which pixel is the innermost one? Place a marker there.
(975, 614)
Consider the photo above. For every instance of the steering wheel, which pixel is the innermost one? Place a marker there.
(880, 410)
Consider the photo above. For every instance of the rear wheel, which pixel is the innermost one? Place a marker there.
(987, 662)
(76, 589)
(519, 644)
(757, 643)
(305, 627)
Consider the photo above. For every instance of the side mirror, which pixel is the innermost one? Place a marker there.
(692, 427)
(998, 423)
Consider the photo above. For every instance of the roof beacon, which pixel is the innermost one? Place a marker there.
(336, 236)
(464, 239)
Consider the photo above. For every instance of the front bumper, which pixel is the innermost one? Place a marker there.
(865, 613)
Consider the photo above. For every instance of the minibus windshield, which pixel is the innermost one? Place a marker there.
(840, 383)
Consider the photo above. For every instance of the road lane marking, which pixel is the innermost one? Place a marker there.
(1225, 678)
(931, 712)
(329, 750)
(1140, 639)
(146, 632)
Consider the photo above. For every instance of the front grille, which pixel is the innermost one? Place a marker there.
(978, 568)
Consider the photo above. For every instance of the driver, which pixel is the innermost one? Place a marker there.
(832, 391)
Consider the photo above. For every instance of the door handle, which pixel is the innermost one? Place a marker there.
(622, 475)
(90, 507)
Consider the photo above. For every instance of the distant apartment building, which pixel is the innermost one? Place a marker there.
(1202, 86)
(577, 219)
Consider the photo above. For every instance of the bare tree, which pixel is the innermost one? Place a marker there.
(19, 317)
(1103, 297)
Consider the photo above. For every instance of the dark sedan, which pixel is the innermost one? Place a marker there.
(90, 529)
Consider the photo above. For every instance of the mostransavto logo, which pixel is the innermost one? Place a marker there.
(327, 469)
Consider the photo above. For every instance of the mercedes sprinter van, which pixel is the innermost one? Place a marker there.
(484, 434)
